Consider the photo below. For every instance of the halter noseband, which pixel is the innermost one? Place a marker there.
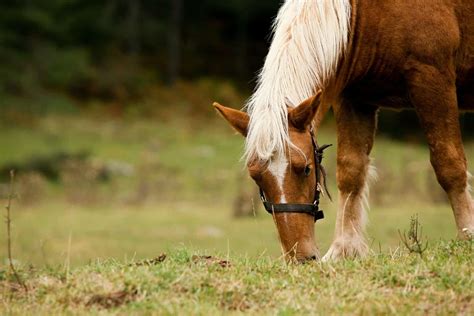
(311, 209)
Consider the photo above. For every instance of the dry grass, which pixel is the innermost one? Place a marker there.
(391, 283)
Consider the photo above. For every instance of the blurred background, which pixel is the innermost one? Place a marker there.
(105, 114)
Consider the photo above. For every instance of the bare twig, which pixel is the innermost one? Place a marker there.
(68, 258)
(9, 242)
(413, 240)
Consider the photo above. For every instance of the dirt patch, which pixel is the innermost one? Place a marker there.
(12, 287)
(114, 299)
(234, 301)
(150, 262)
(210, 260)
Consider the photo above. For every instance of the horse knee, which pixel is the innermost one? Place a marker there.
(351, 171)
(451, 172)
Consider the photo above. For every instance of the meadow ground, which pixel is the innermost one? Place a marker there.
(170, 188)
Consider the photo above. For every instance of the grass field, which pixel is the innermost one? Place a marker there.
(173, 193)
(189, 284)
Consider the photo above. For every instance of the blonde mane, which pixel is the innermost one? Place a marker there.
(309, 37)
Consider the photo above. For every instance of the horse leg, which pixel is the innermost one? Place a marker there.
(433, 94)
(355, 132)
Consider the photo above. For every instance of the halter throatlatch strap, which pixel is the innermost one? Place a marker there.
(311, 209)
(321, 172)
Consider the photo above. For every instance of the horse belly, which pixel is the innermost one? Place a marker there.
(393, 95)
(387, 93)
(466, 95)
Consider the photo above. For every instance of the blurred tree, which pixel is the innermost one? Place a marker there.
(174, 41)
(134, 7)
(176, 37)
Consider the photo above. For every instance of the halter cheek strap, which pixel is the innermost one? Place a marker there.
(311, 209)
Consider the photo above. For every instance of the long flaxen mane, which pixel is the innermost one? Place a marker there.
(309, 38)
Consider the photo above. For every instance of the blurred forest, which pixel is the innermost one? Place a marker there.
(112, 49)
(60, 55)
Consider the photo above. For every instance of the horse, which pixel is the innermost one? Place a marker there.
(363, 55)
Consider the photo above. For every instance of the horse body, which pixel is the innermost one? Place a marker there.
(403, 54)
(390, 39)
(364, 55)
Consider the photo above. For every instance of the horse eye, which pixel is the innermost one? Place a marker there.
(307, 170)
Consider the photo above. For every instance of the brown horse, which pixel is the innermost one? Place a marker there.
(364, 55)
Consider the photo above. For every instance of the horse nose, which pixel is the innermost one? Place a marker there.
(308, 259)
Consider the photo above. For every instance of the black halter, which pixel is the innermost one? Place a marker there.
(311, 209)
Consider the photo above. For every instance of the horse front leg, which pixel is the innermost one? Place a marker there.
(433, 94)
(355, 131)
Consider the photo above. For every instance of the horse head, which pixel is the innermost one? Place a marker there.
(288, 181)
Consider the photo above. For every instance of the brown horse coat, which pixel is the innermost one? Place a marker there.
(403, 54)
(393, 41)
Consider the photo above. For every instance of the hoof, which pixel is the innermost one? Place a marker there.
(466, 234)
(343, 248)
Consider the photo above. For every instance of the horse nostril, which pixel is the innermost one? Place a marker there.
(308, 259)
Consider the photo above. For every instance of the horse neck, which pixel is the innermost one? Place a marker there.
(309, 39)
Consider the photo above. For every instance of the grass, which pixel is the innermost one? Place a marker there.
(179, 201)
(40, 235)
(395, 283)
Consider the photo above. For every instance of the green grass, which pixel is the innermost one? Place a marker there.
(396, 283)
(41, 235)
(179, 201)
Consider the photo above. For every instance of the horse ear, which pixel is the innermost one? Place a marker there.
(238, 120)
(302, 116)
